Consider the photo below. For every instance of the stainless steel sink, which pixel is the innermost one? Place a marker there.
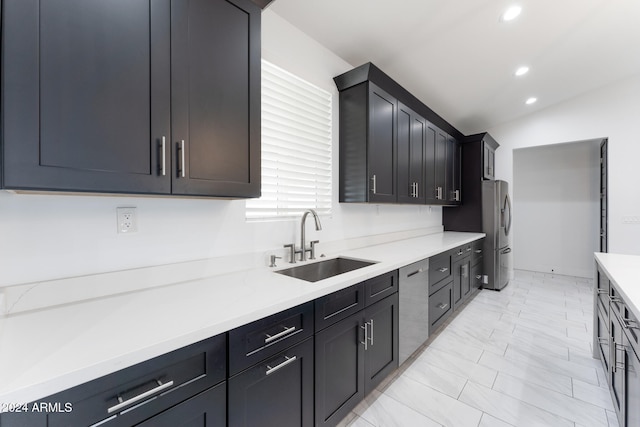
(325, 269)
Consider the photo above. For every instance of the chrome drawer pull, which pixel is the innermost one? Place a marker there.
(629, 323)
(415, 272)
(288, 360)
(443, 269)
(270, 338)
(139, 397)
(371, 337)
(366, 336)
(478, 251)
(478, 277)
(468, 249)
(603, 291)
(164, 157)
(442, 306)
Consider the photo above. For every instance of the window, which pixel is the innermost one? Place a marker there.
(296, 147)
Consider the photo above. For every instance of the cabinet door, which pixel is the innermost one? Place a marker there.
(207, 409)
(276, 392)
(381, 355)
(476, 276)
(617, 366)
(215, 97)
(382, 145)
(339, 370)
(461, 281)
(488, 161)
(431, 188)
(452, 181)
(632, 387)
(86, 99)
(441, 166)
(411, 155)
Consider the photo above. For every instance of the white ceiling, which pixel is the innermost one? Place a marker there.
(459, 59)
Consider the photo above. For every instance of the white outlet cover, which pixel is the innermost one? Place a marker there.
(127, 220)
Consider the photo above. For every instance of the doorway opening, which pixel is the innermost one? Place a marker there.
(556, 205)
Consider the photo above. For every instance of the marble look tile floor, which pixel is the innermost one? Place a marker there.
(518, 357)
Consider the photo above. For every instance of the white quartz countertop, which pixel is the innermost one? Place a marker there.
(46, 351)
(624, 272)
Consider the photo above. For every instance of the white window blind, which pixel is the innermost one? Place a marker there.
(296, 147)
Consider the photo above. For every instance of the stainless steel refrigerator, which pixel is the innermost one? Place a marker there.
(496, 223)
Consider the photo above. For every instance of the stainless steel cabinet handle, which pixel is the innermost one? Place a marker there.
(164, 157)
(371, 333)
(478, 251)
(182, 157)
(271, 338)
(614, 299)
(413, 273)
(366, 336)
(287, 361)
(460, 252)
(619, 365)
(417, 190)
(443, 270)
(442, 306)
(603, 291)
(478, 277)
(439, 193)
(629, 323)
(139, 397)
(373, 179)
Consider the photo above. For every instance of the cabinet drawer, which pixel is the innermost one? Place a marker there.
(208, 409)
(275, 392)
(134, 394)
(631, 328)
(439, 269)
(440, 306)
(477, 251)
(461, 252)
(380, 287)
(249, 344)
(339, 305)
(602, 293)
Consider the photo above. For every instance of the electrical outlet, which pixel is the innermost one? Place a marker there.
(631, 219)
(127, 220)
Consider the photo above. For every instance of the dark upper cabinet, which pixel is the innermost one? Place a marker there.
(393, 148)
(488, 162)
(412, 132)
(368, 145)
(98, 96)
(452, 168)
(468, 216)
(215, 97)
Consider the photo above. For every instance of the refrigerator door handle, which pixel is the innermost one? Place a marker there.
(508, 224)
(506, 251)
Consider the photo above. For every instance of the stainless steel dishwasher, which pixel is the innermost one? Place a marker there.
(414, 307)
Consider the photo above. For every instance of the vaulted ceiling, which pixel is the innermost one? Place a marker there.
(459, 58)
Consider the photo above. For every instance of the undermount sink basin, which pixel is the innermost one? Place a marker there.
(325, 269)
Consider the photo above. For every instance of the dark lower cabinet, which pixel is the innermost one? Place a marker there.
(461, 281)
(277, 392)
(476, 277)
(616, 344)
(632, 386)
(352, 357)
(208, 409)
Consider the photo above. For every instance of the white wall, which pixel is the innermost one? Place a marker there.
(52, 236)
(611, 112)
(556, 195)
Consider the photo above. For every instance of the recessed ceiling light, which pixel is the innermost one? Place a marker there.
(531, 100)
(511, 13)
(522, 71)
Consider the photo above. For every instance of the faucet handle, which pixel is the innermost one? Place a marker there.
(313, 248)
(292, 257)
